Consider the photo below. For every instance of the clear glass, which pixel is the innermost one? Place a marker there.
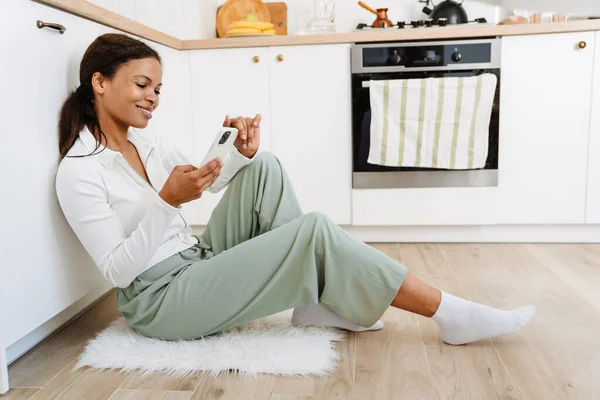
(324, 16)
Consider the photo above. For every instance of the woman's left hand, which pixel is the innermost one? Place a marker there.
(248, 139)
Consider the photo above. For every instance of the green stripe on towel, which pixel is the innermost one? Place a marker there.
(438, 123)
(386, 101)
(402, 122)
(459, 95)
(474, 121)
(422, 95)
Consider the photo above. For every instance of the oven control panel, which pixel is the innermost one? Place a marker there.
(417, 55)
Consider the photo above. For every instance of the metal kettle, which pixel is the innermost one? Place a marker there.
(453, 12)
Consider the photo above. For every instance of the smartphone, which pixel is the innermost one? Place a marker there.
(221, 146)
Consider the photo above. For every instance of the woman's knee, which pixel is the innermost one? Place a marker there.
(262, 162)
(265, 159)
(318, 219)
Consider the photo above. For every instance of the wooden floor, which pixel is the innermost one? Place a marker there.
(557, 356)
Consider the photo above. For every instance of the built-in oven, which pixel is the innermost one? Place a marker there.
(410, 60)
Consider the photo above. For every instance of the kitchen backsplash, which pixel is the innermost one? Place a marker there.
(195, 19)
(349, 14)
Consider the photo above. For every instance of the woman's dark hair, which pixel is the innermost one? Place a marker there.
(104, 55)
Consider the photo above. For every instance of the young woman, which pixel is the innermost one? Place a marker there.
(121, 190)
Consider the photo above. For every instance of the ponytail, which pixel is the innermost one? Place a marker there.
(76, 113)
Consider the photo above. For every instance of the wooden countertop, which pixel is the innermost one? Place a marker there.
(109, 18)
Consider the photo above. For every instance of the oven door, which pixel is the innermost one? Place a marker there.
(369, 176)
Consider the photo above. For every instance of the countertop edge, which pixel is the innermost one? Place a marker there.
(397, 35)
(106, 17)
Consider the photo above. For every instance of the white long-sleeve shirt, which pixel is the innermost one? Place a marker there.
(122, 222)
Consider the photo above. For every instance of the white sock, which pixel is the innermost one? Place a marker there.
(321, 315)
(462, 321)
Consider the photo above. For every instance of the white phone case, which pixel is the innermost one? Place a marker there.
(221, 146)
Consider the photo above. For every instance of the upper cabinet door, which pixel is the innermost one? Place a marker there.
(544, 127)
(311, 125)
(226, 81)
(40, 253)
(592, 215)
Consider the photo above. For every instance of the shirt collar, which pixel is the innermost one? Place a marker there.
(143, 144)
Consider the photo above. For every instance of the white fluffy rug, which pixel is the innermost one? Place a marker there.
(269, 345)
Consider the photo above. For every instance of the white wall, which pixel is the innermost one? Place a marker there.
(184, 19)
(195, 19)
(349, 14)
(575, 7)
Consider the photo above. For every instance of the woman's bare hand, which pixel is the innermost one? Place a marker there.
(187, 183)
(248, 140)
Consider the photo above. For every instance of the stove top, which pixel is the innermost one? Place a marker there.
(424, 23)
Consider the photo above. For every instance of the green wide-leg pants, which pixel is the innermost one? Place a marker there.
(260, 255)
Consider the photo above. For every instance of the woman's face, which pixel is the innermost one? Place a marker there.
(132, 94)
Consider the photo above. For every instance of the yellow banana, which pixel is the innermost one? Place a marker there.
(251, 25)
(269, 32)
(243, 31)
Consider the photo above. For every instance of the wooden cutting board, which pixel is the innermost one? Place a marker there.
(278, 13)
(235, 10)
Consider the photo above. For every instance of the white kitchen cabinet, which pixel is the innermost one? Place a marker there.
(544, 128)
(226, 81)
(592, 215)
(311, 125)
(303, 95)
(425, 206)
(44, 267)
(173, 119)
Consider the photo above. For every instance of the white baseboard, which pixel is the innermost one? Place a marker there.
(23, 345)
(3, 371)
(472, 234)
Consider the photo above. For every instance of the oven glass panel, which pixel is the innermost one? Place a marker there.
(361, 118)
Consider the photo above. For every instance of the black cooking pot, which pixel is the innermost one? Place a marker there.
(453, 12)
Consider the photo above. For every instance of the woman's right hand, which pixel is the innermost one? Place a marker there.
(186, 182)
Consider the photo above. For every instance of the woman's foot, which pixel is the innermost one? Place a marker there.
(321, 315)
(462, 321)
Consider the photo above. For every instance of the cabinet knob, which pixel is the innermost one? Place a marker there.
(280, 58)
(582, 44)
(58, 27)
(256, 59)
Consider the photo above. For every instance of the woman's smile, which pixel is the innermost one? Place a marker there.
(146, 111)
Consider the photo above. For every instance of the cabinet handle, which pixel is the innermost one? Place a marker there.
(582, 44)
(58, 27)
(256, 59)
(280, 58)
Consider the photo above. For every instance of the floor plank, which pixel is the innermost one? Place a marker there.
(41, 364)
(84, 383)
(19, 394)
(280, 397)
(583, 266)
(554, 357)
(475, 371)
(139, 381)
(391, 363)
(150, 395)
(340, 383)
(232, 386)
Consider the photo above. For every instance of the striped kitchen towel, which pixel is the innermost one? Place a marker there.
(432, 122)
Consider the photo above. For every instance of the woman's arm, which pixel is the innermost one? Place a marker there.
(232, 164)
(171, 157)
(83, 198)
